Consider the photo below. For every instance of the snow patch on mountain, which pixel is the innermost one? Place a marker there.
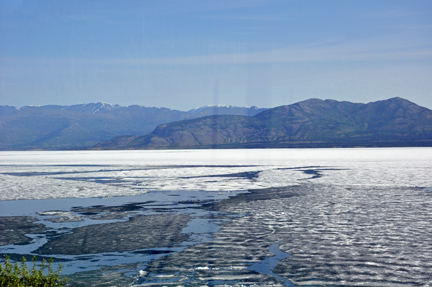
(92, 108)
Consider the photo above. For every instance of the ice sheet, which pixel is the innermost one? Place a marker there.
(80, 174)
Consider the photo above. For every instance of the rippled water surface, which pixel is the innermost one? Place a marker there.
(279, 217)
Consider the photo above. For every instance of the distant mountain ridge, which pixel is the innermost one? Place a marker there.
(310, 123)
(84, 125)
(226, 110)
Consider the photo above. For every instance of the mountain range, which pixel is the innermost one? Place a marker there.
(310, 123)
(54, 127)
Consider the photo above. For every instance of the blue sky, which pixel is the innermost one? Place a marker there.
(189, 53)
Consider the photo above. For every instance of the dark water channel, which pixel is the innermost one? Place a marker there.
(60, 223)
(266, 266)
(328, 235)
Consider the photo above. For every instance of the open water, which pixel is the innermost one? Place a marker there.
(339, 217)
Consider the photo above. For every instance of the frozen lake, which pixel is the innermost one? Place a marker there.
(352, 217)
(80, 174)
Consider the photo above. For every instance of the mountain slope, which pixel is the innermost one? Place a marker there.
(309, 123)
(53, 127)
(84, 125)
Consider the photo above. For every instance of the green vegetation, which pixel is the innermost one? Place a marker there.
(18, 275)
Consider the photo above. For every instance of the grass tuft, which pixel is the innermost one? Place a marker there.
(18, 274)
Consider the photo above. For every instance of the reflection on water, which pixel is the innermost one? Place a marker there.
(351, 217)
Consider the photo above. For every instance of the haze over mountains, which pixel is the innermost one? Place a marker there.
(54, 127)
(310, 123)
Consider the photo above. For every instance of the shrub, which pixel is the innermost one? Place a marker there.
(18, 275)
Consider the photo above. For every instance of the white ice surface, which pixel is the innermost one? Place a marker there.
(74, 174)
